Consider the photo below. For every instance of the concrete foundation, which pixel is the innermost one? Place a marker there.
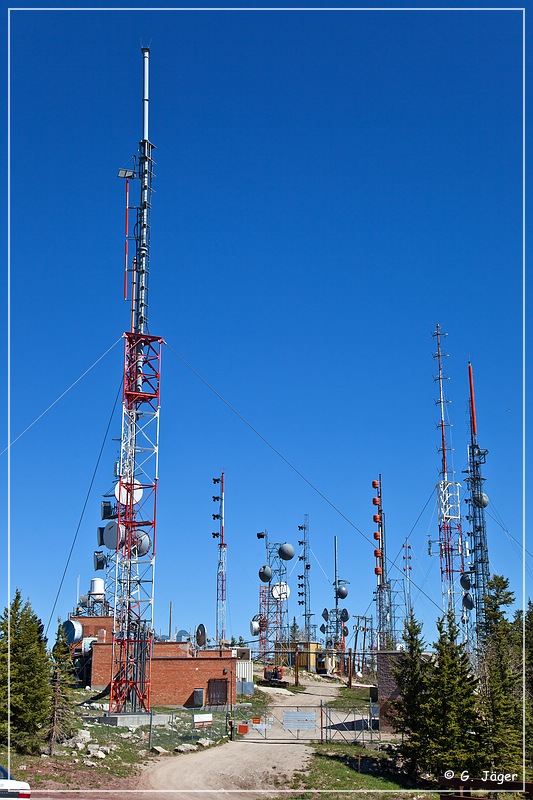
(133, 720)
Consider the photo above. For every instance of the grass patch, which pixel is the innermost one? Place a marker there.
(348, 698)
(346, 767)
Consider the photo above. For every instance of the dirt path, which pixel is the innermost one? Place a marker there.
(247, 764)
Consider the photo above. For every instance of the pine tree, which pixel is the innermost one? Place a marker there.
(29, 677)
(528, 665)
(294, 632)
(500, 672)
(63, 702)
(409, 712)
(453, 720)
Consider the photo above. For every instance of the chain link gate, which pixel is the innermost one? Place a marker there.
(310, 723)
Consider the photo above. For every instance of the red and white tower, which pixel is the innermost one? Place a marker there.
(134, 532)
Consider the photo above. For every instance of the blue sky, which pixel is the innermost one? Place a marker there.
(329, 186)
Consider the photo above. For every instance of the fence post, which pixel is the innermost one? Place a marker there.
(350, 668)
(321, 722)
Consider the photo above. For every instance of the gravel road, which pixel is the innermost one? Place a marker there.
(242, 766)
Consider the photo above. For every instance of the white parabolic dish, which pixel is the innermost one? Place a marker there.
(122, 493)
(280, 591)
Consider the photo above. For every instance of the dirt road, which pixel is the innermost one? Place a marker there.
(242, 766)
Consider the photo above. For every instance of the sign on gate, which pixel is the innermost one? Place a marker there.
(299, 720)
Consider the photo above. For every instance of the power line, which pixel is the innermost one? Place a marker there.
(286, 460)
(59, 398)
(84, 507)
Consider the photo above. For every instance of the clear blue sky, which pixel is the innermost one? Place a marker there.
(329, 186)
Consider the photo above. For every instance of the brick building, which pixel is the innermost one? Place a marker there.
(178, 671)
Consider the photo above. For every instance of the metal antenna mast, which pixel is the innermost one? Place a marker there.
(450, 544)
(477, 502)
(384, 616)
(220, 633)
(304, 582)
(133, 534)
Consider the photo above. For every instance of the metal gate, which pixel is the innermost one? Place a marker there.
(351, 724)
(318, 723)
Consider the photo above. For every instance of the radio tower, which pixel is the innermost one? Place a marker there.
(220, 634)
(384, 612)
(137, 471)
(450, 544)
(477, 502)
(304, 582)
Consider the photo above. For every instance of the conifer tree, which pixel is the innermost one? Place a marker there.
(528, 665)
(453, 718)
(409, 712)
(63, 702)
(500, 672)
(29, 676)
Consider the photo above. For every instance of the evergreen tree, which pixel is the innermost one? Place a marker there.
(294, 631)
(63, 702)
(500, 672)
(454, 723)
(528, 665)
(409, 712)
(29, 677)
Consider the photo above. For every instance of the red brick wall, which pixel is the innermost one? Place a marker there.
(175, 676)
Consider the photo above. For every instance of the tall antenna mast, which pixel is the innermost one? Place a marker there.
(477, 503)
(384, 612)
(450, 544)
(220, 633)
(133, 534)
(304, 582)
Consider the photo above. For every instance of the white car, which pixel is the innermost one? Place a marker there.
(11, 788)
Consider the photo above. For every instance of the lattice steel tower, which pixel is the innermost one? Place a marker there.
(273, 617)
(477, 502)
(132, 530)
(450, 543)
(220, 632)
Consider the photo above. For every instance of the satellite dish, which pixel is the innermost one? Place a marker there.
(254, 627)
(143, 544)
(99, 560)
(111, 537)
(182, 636)
(265, 573)
(201, 635)
(345, 631)
(122, 493)
(464, 580)
(345, 615)
(325, 615)
(322, 628)
(280, 591)
(468, 601)
(480, 499)
(342, 592)
(286, 551)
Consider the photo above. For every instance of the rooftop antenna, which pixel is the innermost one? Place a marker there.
(131, 531)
